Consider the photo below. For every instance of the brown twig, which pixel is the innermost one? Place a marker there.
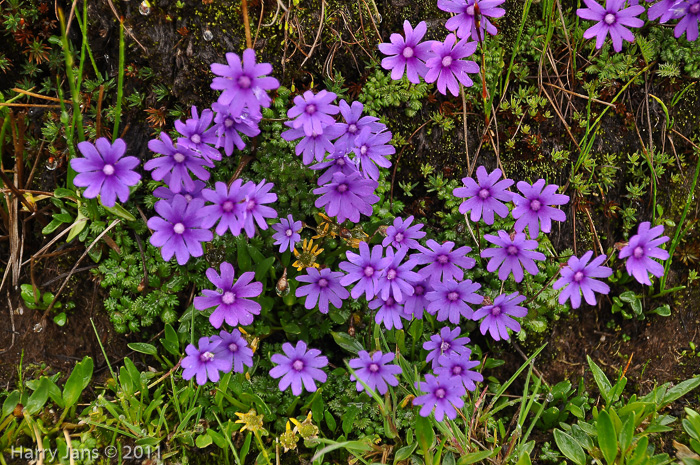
(12, 323)
(128, 31)
(246, 24)
(16, 192)
(34, 94)
(602, 102)
(28, 105)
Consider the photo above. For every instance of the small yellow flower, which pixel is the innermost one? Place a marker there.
(327, 227)
(251, 421)
(307, 257)
(289, 438)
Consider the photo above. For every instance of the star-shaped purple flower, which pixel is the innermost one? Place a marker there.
(498, 316)
(206, 361)
(228, 127)
(312, 112)
(346, 197)
(444, 394)
(450, 299)
(533, 209)
(444, 263)
(338, 161)
(228, 207)
(514, 252)
(287, 234)
(255, 210)
(484, 199)
(354, 124)
(640, 250)
(105, 170)
(177, 163)
(324, 287)
(460, 366)
(578, 277)
(371, 151)
(464, 21)
(689, 12)
(611, 20)
(178, 230)
(447, 66)
(315, 146)
(416, 303)
(401, 235)
(407, 53)
(445, 343)
(198, 135)
(235, 347)
(390, 312)
(397, 278)
(375, 371)
(365, 269)
(299, 367)
(231, 300)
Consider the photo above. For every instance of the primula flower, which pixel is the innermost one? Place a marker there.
(105, 170)
(444, 394)
(578, 278)
(287, 234)
(243, 84)
(390, 312)
(255, 210)
(165, 193)
(533, 209)
(460, 366)
(444, 263)
(611, 20)
(514, 253)
(324, 287)
(640, 250)
(401, 235)
(312, 112)
(235, 347)
(450, 299)
(228, 207)
(206, 361)
(338, 161)
(228, 127)
(178, 230)
(346, 197)
(371, 151)
(407, 54)
(365, 269)
(177, 162)
(397, 278)
(484, 199)
(354, 124)
(445, 343)
(315, 146)
(299, 366)
(498, 316)
(198, 135)
(230, 299)
(447, 67)
(689, 12)
(464, 21)
(663, 11)
(416, 303)
(375, 371)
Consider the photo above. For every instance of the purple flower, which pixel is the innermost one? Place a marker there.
(390, 312)
(407, 53)
(450, 299)
(485, 197)
(371, 151)
(578, 278)
(299, 367)
(354, 124)
(324, 286)
(447, 66)
(312, 111)
(337, 162)
(228, 207)
(640, 250)
(364, 269)
(229, 126)
(229, 298)
(445, 263)
(689, 12)
(442, 394)
(198, 134)
(534, 207)
(315, 146)
(401, 235)
(346, 197)
(445, 343)
(287, 234)
(459, 365)
(236, 348)
(178, 162)
(611, 20)
(397, 278)
(663, 10)
(178, 230)
(206, 361)
(464, 21)
(375, 371)
(105, 170)
(166, 194)
(498, 315)
(243, 84)
(255, 210)
(414, 304)
(514, 252)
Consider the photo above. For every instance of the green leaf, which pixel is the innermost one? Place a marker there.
(348, 419)
(361, 445)
(203, 440)
(633, 299)
(524, 459)
(11, 402)
(347, 342)
(330, 421)
(143, 348)
(27, 293)
(51, 227)
(607, 438)
(77, 381)
(262, 268)
(424, 433)
(60, 319)
(119, 211)
(679, 390)
(474, 457)
(244, 262)
(39, 397)
(77, 227)
(218, 438)
(664, 310)
(246, 447)
(291, 328)
(568, 446)
(640, 452)
(171, 343)
(601, 380)
(626, 434)
(405, 452)
(62, 193)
